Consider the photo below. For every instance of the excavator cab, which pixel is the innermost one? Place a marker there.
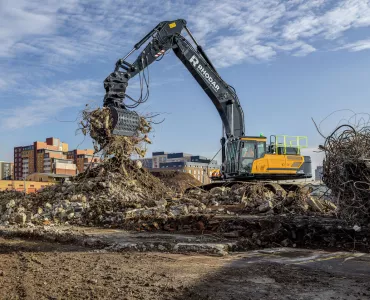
(251, 157)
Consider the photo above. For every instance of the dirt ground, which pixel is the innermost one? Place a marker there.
(40, 270)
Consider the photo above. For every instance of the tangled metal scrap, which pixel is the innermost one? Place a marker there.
(346, 170)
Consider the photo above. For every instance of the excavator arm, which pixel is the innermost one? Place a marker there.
(164, 37)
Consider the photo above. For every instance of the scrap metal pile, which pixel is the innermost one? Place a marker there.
(346, 171)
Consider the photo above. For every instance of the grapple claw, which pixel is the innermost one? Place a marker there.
(125, 122)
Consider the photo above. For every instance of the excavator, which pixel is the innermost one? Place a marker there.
(244, 158)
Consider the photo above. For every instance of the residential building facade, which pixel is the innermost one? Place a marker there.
(83, 159)
(199, 167)
(6, 170)
(49, 157)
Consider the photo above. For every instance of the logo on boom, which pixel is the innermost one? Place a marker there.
(195, 61)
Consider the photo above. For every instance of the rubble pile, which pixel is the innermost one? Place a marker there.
(104, 199)
(346, 171)
(257, 198)
(177, 181)
(117, 190)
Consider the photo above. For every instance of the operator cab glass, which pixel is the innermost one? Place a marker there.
(250, 150)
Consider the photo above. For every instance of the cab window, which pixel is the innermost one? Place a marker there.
(231, 151)
(248, 150)
(261, 149)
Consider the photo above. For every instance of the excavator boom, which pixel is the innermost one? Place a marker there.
(164, 37)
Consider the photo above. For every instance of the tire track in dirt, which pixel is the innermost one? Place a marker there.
(20, 287)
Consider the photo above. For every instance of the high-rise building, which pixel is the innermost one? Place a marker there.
(51, 156)
(18, 163)
(38, 157)
(6, 170)
(83, 159)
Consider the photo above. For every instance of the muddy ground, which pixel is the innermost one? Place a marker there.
(41, 270)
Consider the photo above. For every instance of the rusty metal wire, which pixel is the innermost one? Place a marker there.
(346, 168)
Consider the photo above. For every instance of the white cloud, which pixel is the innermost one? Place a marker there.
(357, 46)
(20, 20)
(329, 24)
(60, 33)
(47, 101)
(304, 50)
(47, 38)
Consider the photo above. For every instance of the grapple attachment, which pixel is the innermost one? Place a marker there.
(125, 122)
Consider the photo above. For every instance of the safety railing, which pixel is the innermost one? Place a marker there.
(286, 144)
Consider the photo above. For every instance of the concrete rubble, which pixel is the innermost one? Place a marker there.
(107, 200)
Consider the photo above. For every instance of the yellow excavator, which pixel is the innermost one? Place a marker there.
(243, 157)
(281, 159)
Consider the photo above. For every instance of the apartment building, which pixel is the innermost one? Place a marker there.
(157, 158)
(200, 171)
(198, 166)
(38, 157)
(6, 170)
(164, 157)
(83, 159)
(147, 162)
(49, 157)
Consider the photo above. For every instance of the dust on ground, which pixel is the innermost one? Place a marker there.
(40, 270)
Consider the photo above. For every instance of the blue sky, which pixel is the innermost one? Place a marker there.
(288, 60)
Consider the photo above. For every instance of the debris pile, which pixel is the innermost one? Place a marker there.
(177, 181)
(260, 198)
(346, 171)
(119, 189)
(105, 199)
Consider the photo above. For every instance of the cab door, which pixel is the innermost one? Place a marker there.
(232, 157)
(248, 154)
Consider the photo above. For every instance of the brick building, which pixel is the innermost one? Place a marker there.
(51, 156)
(83, 159)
